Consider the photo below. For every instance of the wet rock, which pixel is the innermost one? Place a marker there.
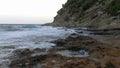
(73, 45)
(98, 54)
(37, 50)
(100, 33)
(78, 42)
(59, 61)
(53, 50)
(95, 54)
(110, 65)
(101, 52)
(59, 42)
(110, 62)
(80, 32)
(74, 35)
(113, 52)
(78, 38)
(114, 31)
(31, 61)
(80, 63)
(27, 62)
(22, 52)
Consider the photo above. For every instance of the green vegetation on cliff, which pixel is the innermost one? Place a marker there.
(114, 7)
(96, 13)
(76, 6)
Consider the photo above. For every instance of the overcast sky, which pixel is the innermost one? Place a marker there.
(29, 11)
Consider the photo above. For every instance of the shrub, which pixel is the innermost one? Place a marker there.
(87, 4)
(114, 7)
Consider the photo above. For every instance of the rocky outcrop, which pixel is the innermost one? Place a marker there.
(101, 55)
(89, 13)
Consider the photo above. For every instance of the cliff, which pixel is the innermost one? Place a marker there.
(89, 13)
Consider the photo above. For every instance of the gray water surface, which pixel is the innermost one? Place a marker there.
(14, 37)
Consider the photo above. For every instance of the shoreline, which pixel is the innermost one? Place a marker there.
(99, 54)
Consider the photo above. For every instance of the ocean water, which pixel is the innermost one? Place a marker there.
(14, 37)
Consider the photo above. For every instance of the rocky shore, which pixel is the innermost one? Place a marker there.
(79, 50)
(97, 46)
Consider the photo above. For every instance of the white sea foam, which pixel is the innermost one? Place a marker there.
(67, 53)
(38, 37)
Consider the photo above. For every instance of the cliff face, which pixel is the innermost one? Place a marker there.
(89, 13)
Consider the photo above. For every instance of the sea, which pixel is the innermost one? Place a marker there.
(20, 36)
